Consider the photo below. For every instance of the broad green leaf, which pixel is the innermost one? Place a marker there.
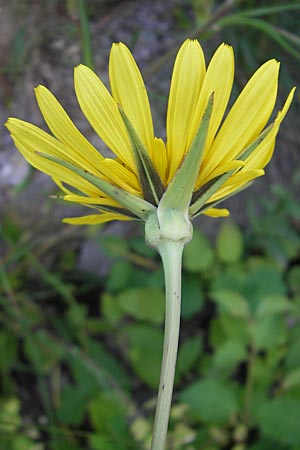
(225, 327)
(198, 255)
(138, 245)
(179, 192)
(73, 403)
(105, 409)
(231, 303)
(293, 351)
(273, 305)
(119, 276)
(109, 419)
(143, 304)
(279, 419)
(145, 346)
(227, 356)
(192, 295)
(9, 414)
(188, 354)
(110, 308)
(294, 279)
(230, 243)
(210, 401)
(263, 282)
(291, 380)
(268, 332)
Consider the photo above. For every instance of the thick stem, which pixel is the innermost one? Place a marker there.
(171, 254)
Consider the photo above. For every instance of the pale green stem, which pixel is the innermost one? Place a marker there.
(171, 255)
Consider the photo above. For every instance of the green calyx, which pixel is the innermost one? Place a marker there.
(180, 190)
(167, 226)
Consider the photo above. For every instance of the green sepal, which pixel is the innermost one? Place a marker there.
(139, 207)
(223, 199)
(180, 190)
(115, 210)
(150, 181)
(202, 195)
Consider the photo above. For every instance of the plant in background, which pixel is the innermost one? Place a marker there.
(205, 160)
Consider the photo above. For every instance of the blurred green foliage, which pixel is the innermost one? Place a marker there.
(80, 356)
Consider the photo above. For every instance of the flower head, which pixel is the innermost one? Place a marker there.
(207, 157)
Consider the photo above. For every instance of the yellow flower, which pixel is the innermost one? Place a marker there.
(235, 151)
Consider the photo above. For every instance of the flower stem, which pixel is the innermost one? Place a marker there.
(171, 255)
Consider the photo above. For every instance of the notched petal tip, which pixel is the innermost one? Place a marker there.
(11, 123)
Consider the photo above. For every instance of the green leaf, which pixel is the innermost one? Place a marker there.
(230, 243)
(106, 409)
(291, 380)
(143, 304)
(8, 350)
(73, 403)
(293, 352)
(198, 255)
(279, 419)
(109, 418)
(141, 208)
(9, 414)
(120, 274)
(145, 345)
(231, 303)
(188, 354)
(110, 308)
(263, 282)
(43, 351)
(229, 327)
(294, 279)
(210, 401)
(227, 356)
(268, 332)
(150, 181)
(179, 192)
(192, 295)
(138, 245)
(273, 305)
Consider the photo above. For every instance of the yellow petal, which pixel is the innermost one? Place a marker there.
(220, 170)
(235, 183)
(95, 219)
(247, 117)
(188, 74)
(29, 139)
(218, 80)
(63, 128)
(119, 175)
(263, 153)
(129, 91)
(216, 212)
(102, 112)
(160, 160)
(61, 186)
(91, 200)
